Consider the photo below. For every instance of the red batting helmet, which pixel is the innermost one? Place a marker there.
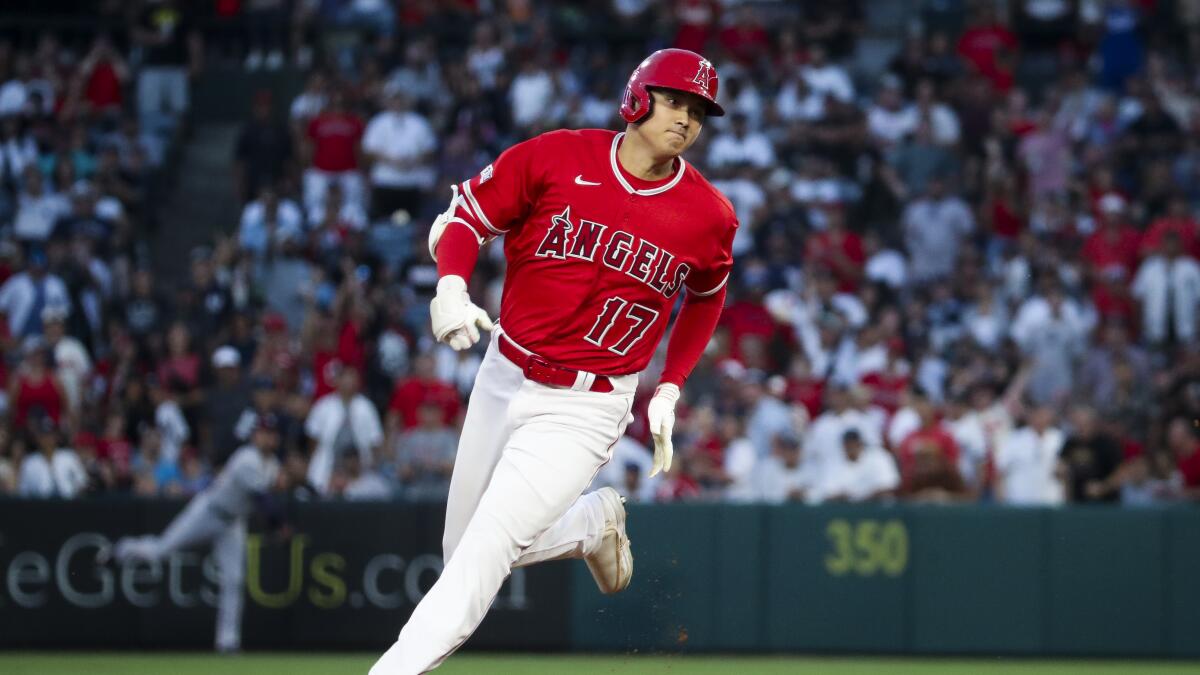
(677, 69)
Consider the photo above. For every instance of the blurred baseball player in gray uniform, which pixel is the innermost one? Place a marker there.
(218, 516)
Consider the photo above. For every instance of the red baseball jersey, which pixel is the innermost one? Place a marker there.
(596, 257)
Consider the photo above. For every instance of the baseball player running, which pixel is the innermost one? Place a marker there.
(604, 231)
(218, 516)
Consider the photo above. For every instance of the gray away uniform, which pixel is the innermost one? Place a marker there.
(217, 516)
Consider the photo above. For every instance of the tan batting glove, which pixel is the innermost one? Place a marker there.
(661, 416)
(455, 319)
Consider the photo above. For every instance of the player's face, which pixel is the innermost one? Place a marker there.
(675, 121)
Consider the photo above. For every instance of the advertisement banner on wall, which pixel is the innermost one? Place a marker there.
(348, 577)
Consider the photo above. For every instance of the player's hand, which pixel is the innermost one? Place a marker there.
(456, 320)
(661, 416)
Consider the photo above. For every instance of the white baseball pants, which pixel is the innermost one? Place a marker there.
(199, 524)
(526, 454)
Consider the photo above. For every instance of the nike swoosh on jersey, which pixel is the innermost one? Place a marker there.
(580, 181)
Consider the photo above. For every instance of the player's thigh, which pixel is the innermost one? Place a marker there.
(486, 428)
(196, 524)
(229, 548)
(560, 440)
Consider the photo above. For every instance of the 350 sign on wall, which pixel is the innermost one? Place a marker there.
(866, 547)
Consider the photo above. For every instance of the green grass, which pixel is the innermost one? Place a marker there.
(162, 663)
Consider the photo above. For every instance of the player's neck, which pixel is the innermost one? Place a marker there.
(637, 157)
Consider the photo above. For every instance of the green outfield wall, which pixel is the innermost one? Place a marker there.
(903, 579)
(899, 579)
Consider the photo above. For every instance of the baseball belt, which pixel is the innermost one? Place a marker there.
(542, 371)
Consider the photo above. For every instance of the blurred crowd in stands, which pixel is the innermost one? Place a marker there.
(968, 266)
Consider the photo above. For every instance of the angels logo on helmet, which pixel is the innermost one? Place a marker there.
(703, 74)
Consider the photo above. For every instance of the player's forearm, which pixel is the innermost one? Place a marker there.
(693, 328)
(457, 252)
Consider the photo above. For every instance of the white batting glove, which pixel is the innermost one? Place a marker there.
(661, 415)
(455, 319)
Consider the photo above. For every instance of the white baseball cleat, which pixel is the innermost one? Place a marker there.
(611, 565)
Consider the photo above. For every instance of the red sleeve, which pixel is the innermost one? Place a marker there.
(457, 251)
(500, 197)
(713, 276)
(693, 328)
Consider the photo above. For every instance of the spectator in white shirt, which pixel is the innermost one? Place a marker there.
(268, 222)
(823, 440)
(340, 423)
(531, 94)
(888, 119)
(825, 77)
(309, 103)
(766, 415)
(485, 57)
(51, 471)
(27, 293)
(941, 118)
(420, 76)
(38, 209)
(1168, 287)
(965, 427)
(934, 228)
(741, 462)
(743, 98)
(749, 202)
(399, 142)
(1027, 462)
(739, 146)
(71, 361)
(1052, 331)
(986, 320)
(361, 484)
(783, 476)
(798, 102)
(172, 426)
(868, 473)
(884, 265)
(17, 150)
(14, 94)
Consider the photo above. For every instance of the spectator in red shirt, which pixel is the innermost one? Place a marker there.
(333, 138)
(838, 250)
(420, 388)
(887, 386)
(1179, 220)
(181, 362)
(928, 458)
(748, 316)
(1002, 210)
(1181, 439)
(1115, 242)
(1110, 295)
(984, 40)
(696, 19)
(745, 39)
(804, 388)
(103, 72)
(35, 390)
